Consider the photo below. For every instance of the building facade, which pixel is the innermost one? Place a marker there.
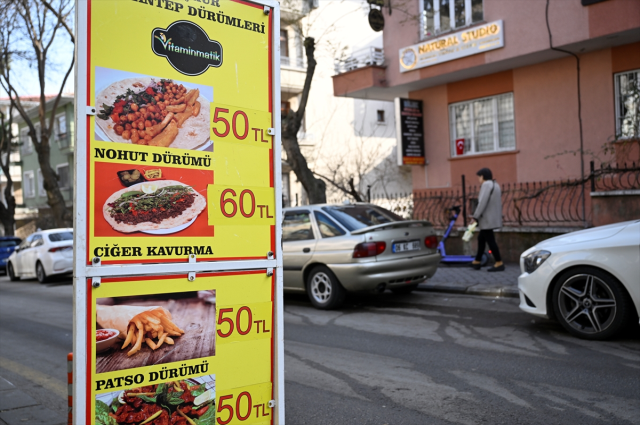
(534, 90)
(61, 158)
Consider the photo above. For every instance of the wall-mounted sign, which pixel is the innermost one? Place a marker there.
(376, 19)
(457, 45)
(410, 131)
(177, 236)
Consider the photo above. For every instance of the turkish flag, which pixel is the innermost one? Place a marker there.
(459, 146)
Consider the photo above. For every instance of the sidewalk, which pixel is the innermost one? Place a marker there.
(465, 280)
(17, 407)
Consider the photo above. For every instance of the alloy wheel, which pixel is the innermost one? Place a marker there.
(321, 287)
(587, 303)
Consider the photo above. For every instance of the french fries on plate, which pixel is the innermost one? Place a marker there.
(150, 325)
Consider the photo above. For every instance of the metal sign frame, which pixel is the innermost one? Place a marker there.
(83, 111)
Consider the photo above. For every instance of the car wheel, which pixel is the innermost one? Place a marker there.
(324, 290)
(590, 303)
(40, 273)
(405, 289)
(12, 273)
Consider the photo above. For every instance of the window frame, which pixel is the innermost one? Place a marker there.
(380, 113)
(67, 140)
(618, 112)
(40, 183)
(64, 164)
(496, 126)
(468, 17)
(32, 185)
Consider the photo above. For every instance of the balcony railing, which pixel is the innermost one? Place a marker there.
(359, 59)
(286, 61)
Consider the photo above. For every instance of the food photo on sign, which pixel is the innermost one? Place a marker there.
(151, 200)
(155, 329)
(180, 402)
(152, 111)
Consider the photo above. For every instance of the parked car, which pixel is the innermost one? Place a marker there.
(8, 244)
(330, 250)
(42, 254)
(587, 280)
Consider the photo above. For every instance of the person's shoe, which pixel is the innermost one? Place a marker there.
(496, 269)
(476, 266)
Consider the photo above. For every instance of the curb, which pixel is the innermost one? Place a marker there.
(504, 292)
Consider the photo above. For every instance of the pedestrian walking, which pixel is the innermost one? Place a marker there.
(488, 214)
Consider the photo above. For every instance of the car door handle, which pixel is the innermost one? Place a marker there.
(306, 249)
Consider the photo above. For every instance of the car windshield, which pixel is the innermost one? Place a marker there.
(355, 217)
(9, 243)
(61, 236)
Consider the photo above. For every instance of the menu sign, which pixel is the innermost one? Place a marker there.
(177, 245)
(410, 131)
(180, 151)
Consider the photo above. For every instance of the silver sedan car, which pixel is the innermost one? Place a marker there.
(330, 250)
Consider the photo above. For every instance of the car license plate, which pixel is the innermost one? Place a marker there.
(406, 246)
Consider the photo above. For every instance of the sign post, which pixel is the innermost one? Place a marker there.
(178, 262)
(410, 131)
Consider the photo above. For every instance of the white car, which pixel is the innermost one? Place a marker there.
(588, 280)
(42, 254)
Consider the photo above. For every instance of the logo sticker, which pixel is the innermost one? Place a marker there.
(187, 47)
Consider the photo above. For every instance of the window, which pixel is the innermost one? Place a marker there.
(380, 116)
(354, 217)
(28, 185)
(284, 47)
(296, 226)
(63, 176)
(627, 104)
(41, 191)
(25, 139)
(61, 236)
(37, 241)
(328, 228)
(482, 125)
(439, 16)
(61, 131)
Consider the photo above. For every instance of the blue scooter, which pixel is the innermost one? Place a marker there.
(457, 259)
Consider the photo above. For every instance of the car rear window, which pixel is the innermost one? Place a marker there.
(61, 236)
(355, 217)
(9, 243)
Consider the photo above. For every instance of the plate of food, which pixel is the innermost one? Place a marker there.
(151, 325)
(148, 111)
(167, 206)
(177, 402)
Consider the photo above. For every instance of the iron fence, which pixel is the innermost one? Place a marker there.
(564, 203)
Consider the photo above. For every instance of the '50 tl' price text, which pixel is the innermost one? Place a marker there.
(244, 408)
(230, 123)
(240, 321)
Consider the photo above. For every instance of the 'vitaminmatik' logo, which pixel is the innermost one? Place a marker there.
(187, 47)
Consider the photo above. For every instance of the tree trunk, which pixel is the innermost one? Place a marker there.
(62, 216)
(316, 188)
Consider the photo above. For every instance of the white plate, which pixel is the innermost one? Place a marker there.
(172, 230)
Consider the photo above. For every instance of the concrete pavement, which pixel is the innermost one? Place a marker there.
(465, 280)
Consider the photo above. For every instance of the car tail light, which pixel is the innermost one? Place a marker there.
(369, 249)
(59, 248)
(431, 242)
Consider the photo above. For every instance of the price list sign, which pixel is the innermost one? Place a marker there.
(410, 132)
(177, 236)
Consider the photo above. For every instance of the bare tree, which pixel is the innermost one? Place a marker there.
(28, 29)
(8, 210)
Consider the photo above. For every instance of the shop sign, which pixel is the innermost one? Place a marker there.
(376, 20)
(410, 131)
(457, 45)
(177, 236)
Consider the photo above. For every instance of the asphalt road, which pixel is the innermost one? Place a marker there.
(424, 358)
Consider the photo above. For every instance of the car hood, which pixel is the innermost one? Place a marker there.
(587, 235)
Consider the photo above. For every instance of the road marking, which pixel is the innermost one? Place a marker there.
(56, 386)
